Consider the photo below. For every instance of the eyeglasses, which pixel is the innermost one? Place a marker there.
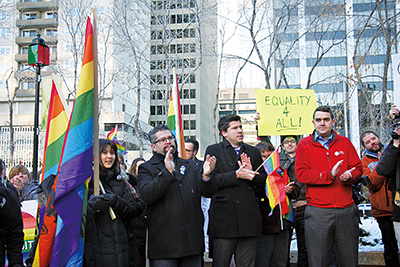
(165, 139)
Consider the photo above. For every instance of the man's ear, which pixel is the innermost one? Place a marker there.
(195, 152)
(224, 134)
(153, 146)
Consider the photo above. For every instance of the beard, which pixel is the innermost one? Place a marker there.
(376, 150)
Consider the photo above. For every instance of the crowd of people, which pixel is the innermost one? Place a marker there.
(155, 209)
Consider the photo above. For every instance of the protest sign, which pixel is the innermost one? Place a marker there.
(285, 111)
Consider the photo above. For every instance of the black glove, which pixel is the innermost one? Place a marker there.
(103, 202)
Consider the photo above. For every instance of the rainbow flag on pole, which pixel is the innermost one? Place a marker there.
(112, 135)
(174, 119)
(55, 133)
(70, 198)
(272, 162)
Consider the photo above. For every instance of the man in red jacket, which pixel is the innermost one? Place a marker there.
(380, 196)
(328, 165)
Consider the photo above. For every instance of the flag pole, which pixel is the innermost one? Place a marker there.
(96, 162)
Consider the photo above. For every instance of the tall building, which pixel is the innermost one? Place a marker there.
(183, 36)
(62, 25)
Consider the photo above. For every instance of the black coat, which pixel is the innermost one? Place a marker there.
(389, 166)
(174, 216)
(11, 228)
(106, 240)
(234, 210)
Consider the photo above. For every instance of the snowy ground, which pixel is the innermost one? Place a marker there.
(370, 240)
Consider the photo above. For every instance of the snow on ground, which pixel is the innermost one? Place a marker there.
(370, 238)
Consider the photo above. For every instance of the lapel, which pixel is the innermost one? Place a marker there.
(232, 157)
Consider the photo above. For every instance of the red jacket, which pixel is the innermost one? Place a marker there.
(379, 194)
(313, 168)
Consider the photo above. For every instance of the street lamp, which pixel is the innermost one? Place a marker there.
(38, 56)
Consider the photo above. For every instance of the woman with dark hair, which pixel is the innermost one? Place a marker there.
(139, 224)
(106, 239)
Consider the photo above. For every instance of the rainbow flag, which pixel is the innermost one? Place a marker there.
(287, 211)
(57, 126)
(275, 188)
(112, 135)
(174, 119)
(70, 197)
(55, 133)
(272, 162)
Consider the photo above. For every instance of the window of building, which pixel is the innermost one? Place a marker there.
(186, 109)
(172, 49)
(153, 50)
(186, 33)
(153, 35)
(192, 33)
(186, 18)
(192, 3)
(51, 32)
(160, 49)
(4, 15)
(192, 48)
(153, 65)
(185, 3)
(186, 125)
(173, 19)
(51, 15)
(69, 64)
(24, 50)
(193, 125)
(179, 34)
(32, 15)
(5, 50)
(152, 110)
(192, 93)
(28, 33)
(5, 32)
(179, 48)
(179, 18)
(193, 63)
(186, 48)
(27, 85)
(192, 18)
(53, 49)
(192, 109)
(160, 110)
(192, 78)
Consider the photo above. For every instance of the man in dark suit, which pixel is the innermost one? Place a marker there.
(235, 220)
(172, 187)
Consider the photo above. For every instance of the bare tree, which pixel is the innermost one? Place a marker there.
(379, 26)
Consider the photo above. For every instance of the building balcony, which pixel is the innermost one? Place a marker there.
(37, 23)
(25, 41)
(34, 6)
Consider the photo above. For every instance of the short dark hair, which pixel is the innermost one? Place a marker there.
(262, 146)
(223, 123)
(364, 134)
(194, 142)
(158, 128)
(324, 109)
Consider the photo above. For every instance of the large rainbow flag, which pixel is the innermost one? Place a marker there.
(174, 119)
(76, 167)
(272, 162)
(55, 133)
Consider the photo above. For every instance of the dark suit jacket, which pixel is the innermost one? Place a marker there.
(175, 219)
(234, 210)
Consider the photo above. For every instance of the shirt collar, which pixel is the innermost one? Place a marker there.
(322, 141)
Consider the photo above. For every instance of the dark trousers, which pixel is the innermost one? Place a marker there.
(389, 241)
(328, 227)
(188, 261)
(272, 249)
(244, 249)
(302, 260)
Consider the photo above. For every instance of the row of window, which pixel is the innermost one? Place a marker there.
(173, 4)
(173, 19)
(161, 110)
(174, 63)
(5, 50)
(4, 15)
(34, 15)
(33, 33)
(5, 33)
(173, 33)
(184, 94)
(162, 79)
(173, 49)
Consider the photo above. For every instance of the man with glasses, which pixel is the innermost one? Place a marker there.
(192, 147)
(235, 220)
(172, 188)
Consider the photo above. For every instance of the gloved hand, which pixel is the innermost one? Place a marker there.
(103, 202)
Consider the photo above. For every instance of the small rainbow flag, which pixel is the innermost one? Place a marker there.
(174, 119)
(112, 135)
(272, 162)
